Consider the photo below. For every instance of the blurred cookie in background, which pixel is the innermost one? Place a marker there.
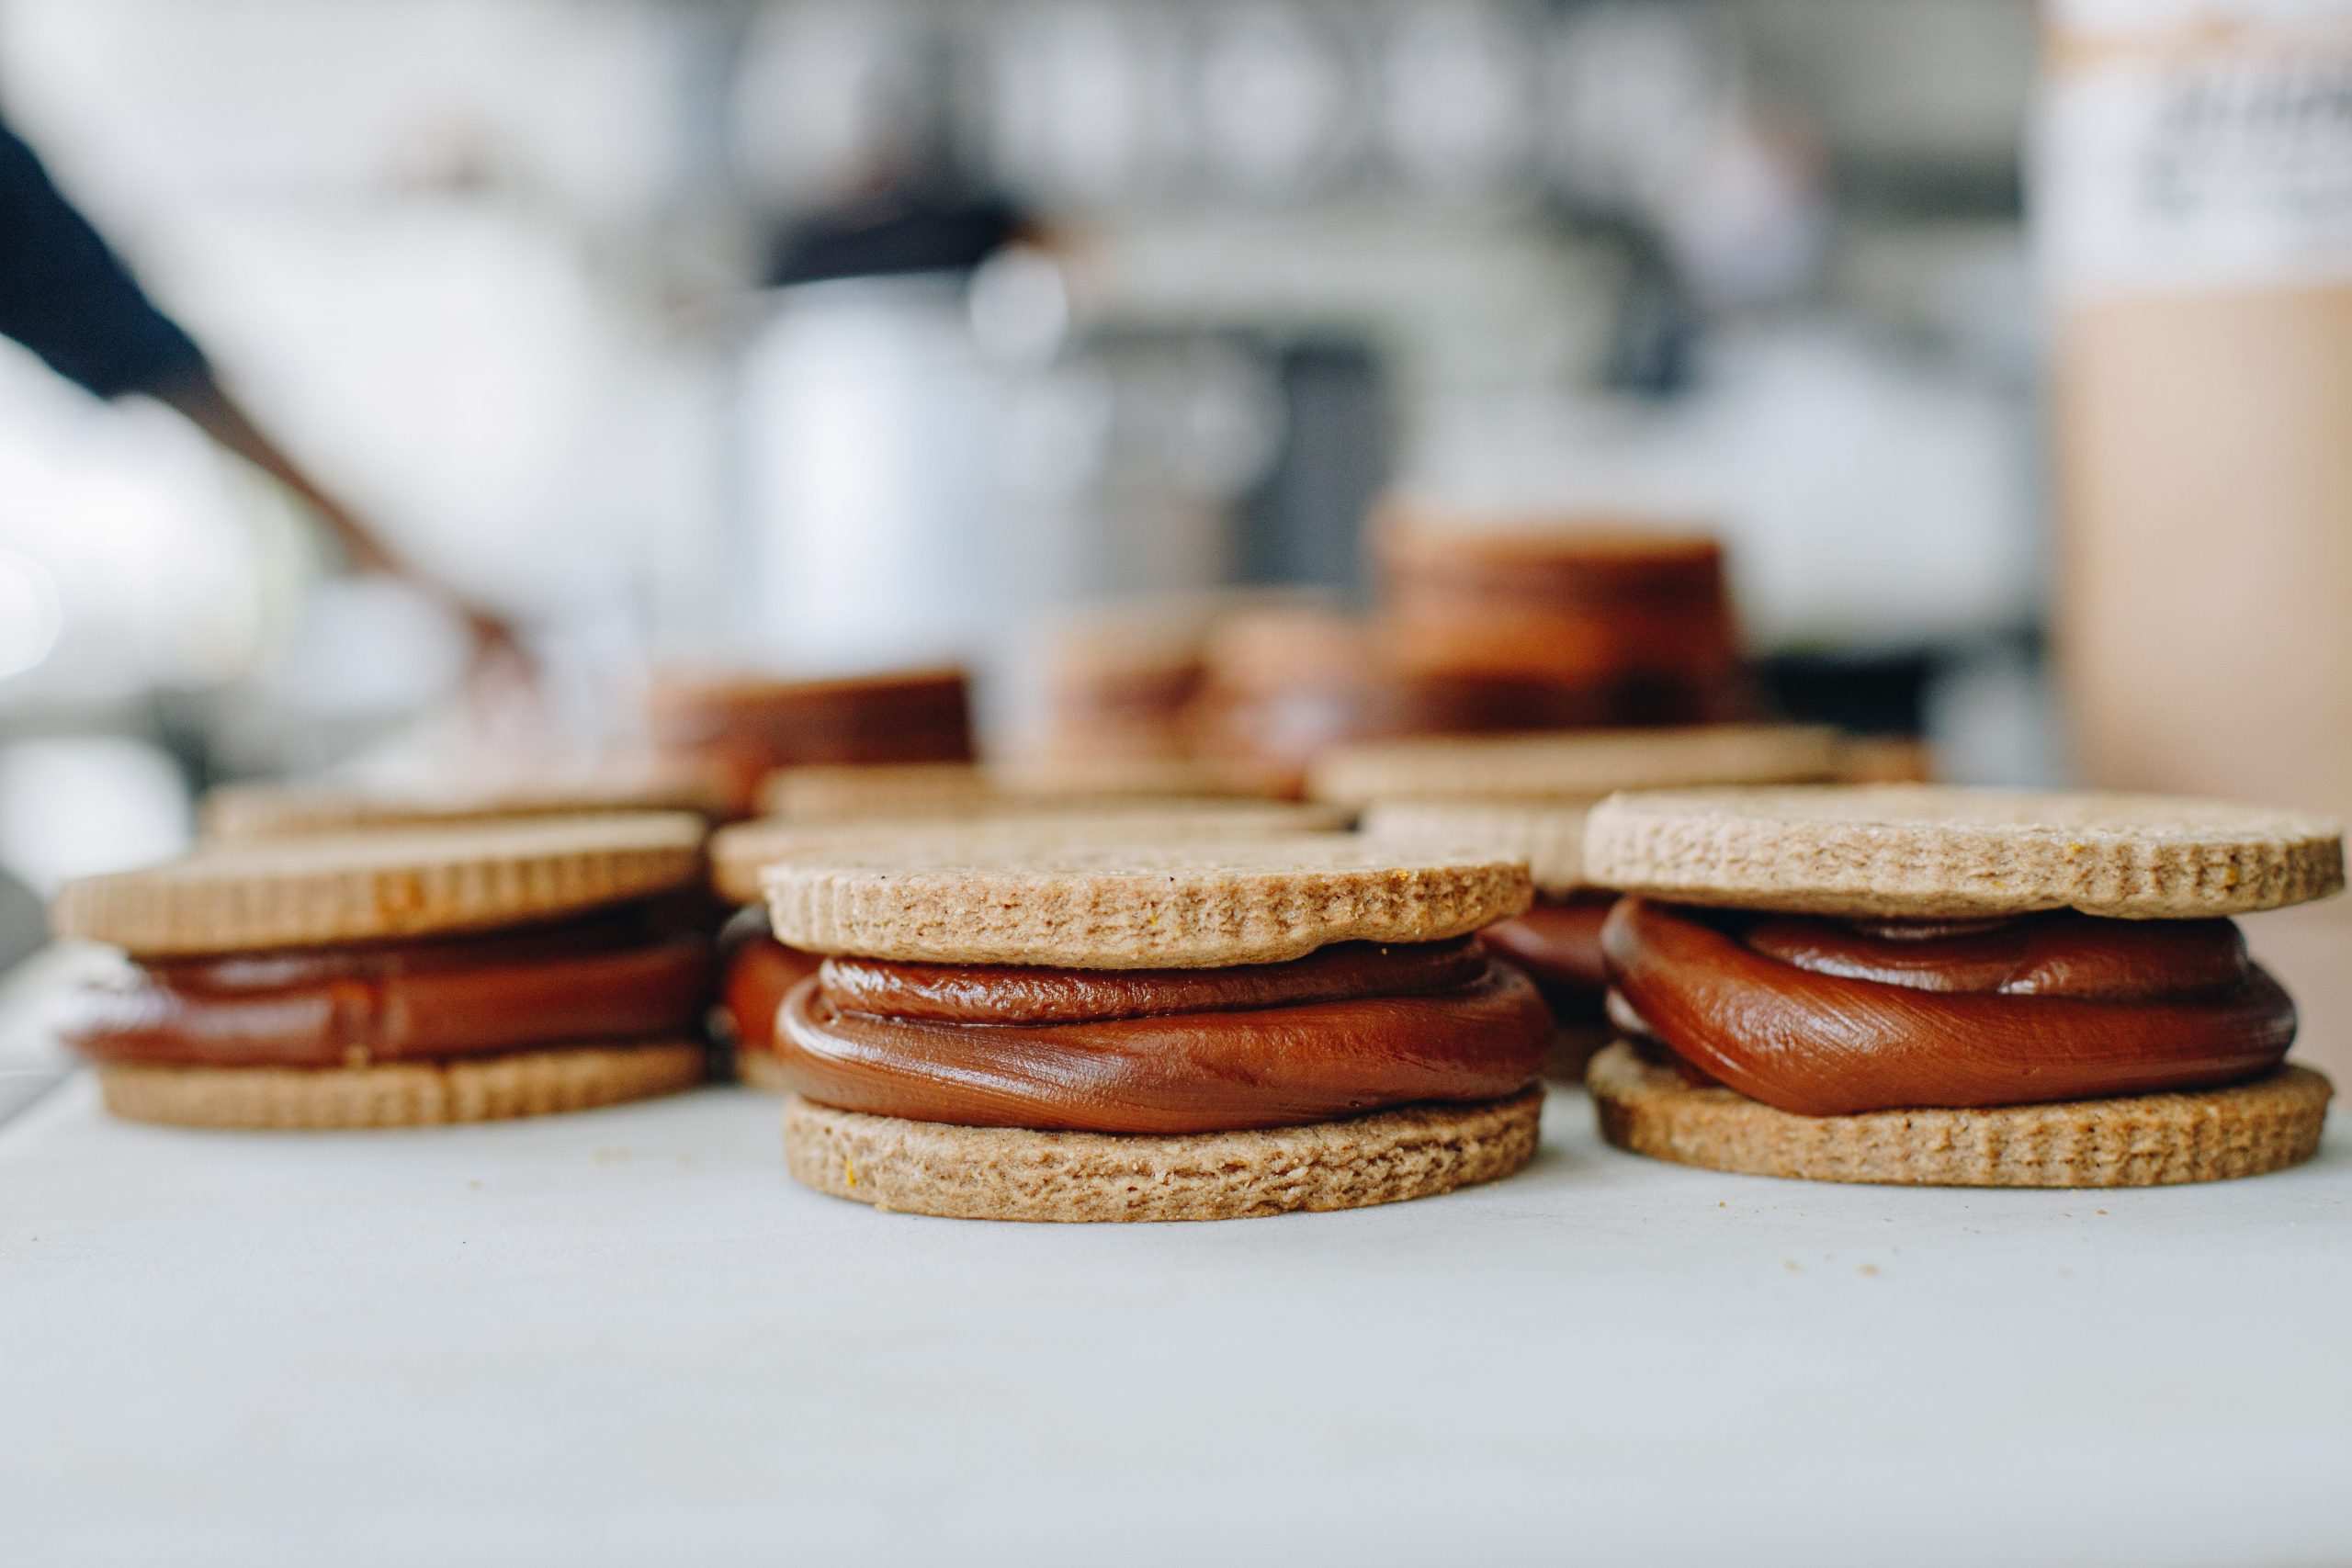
(747, 725)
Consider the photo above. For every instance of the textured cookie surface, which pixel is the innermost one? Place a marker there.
(1573, 766)
(739, 854)
(1549, 837)
(1196, 904)
(410, 1094)
(1007, 1173)
(1930, 851)
(236, 812)
(394, 883)
(2149, 1140)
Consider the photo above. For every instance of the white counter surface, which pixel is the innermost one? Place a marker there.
(625, 1337)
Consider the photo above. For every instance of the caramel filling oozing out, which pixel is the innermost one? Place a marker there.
(613, 977)
(1558, 942)
(1824, 1018)
(1352, 1029)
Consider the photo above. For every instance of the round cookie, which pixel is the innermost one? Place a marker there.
(237, 813)
(312, 892)
(1138, 904)
(1549, 836)
(1572, 765)
(837, 792)
(409, 1094)
(739, 854)
(2146, 1140)
(1001, 1173)
(1930, 851)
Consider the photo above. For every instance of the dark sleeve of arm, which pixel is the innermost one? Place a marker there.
(64, 295)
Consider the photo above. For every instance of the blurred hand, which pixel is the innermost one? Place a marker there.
(501, 677)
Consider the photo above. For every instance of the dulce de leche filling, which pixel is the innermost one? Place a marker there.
(1824, 1018)
(755, 973)
(1558, 942)
(1355, 1028)
(604, 979)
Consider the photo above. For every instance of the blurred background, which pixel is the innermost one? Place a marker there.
(848, 334)
(841, 334)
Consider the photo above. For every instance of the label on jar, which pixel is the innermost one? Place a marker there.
(2190, 146)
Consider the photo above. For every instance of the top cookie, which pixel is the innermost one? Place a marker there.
(1573, 765)
(394, 883)
(739, 855)
(236, 813)
(1931, 852)
(1547, 835)
(837, 792)
(1199, 905)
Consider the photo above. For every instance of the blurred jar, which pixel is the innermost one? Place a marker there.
(2195, 205)
(871, 443)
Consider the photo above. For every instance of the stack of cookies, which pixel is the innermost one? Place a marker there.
(1119, 679)
(1969, 988)
(399, 978)
(1282, 687)
(1526, 797)
(1634, 624)
(1125, 687)
(1200, 1032)
(746, 726)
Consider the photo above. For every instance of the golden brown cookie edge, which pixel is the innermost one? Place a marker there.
(2249, 1129)
(407, 1094)
(1206, 918)
(1675, 845)
(1001, 1173)
(257, 897)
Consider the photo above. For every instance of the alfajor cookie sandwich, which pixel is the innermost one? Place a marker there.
(756, 970)
(1526, 797)
(1119, 678)
(1181, 1031)
(400, 976)
(748, 725)
(1284, 686)
(1942, 985)
(1633, 617)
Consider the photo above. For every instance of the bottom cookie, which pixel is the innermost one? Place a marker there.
(2147, 1140)
(407, 1094)
(1009, 1173)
